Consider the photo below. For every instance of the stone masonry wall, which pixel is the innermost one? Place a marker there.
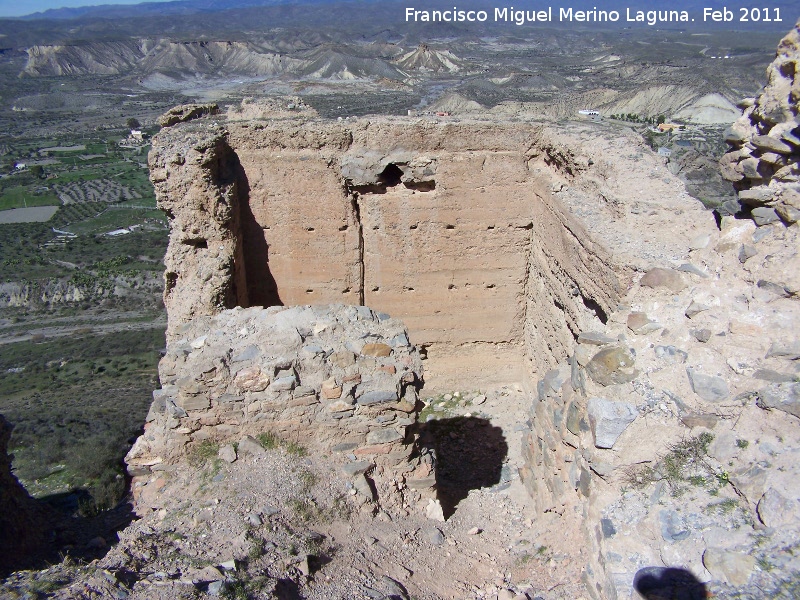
(763, 162)
(337, 380)
(702, 357)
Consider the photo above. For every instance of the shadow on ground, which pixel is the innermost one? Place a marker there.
(469, 455)
(37, 532)
(663, 583)
(286, 589)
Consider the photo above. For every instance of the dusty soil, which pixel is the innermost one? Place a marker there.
(296, 528)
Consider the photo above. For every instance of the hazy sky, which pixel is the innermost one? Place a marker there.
(16, 8)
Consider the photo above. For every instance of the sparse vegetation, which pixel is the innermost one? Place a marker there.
(685, 462)
(526, 557)
(295, 448)
(63, 397)
(305, 509)
(270, 441)
(440, 405)
(202, 453)
(724, 507)
(63, 394)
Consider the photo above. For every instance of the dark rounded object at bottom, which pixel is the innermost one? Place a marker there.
(666, 583)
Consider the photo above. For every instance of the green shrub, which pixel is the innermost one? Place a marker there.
(268, 440)
(684, 462)
(202, 453)
(296, 449)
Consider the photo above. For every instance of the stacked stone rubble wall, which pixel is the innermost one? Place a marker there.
(763, 160)
(337, 380)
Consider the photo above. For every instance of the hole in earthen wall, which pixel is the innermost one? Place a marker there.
(596, 309)
(421, 186)
(391, 176)
(170, 281)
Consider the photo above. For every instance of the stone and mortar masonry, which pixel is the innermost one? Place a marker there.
(337, 380)
(763, 162)
(702, 345)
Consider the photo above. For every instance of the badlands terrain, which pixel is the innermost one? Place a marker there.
(494, 352)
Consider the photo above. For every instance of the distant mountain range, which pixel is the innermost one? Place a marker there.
(789, 10)
(145, 9)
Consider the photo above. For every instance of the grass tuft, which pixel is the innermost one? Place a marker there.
(685, 462)
(204, 452)
(270, 441)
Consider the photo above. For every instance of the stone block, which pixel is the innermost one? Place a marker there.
(729, 566)
(608, 419)
(282, 384)
(708, 387)
(767, 143)
(641, 324)
(612, 366)
(377, 397)
(377, 350)
(249, 445)
(764, 215)
(781, 396)
(663, 278)
(193, 403)
(383, 436)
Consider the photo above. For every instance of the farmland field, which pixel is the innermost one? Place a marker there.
(81, 317)
(33, 214)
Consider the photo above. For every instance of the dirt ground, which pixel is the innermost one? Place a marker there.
(281, 524)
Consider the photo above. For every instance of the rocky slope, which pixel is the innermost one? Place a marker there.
(147, 56)
(700, 360)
